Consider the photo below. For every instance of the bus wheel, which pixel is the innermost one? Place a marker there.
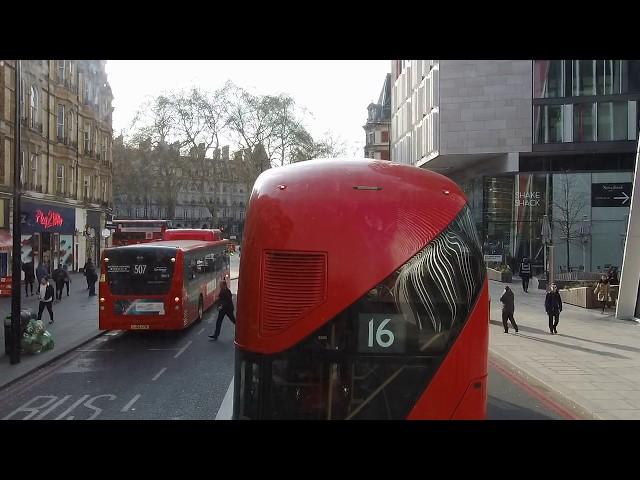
(200, 310)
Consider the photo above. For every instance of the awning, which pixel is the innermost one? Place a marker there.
(6, 242)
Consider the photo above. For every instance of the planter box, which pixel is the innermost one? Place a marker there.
(580, 297)
(499, 276)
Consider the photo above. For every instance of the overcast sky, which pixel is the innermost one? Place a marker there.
(336, 92)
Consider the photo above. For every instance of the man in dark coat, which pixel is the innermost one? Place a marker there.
(60, 277)
(553, 306)
(46, 299)
(29, 276)
(525, 273)
(508, 309)
(92, 277)
(225, 307)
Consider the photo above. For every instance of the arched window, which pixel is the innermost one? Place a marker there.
(34, 101)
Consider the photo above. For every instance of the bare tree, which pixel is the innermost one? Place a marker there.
(569, 203)
(307, 148)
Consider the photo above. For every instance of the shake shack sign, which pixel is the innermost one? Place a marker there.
(528, 199)
(611, 194)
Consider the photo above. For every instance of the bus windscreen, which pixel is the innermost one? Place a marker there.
(140, 271)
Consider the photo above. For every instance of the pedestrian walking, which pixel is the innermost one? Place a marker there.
(553, 306)
(42, 272)
(602, 291)
(46, 299)
(29, 276)
(612, 276)
(87, 266)
(225, 307)
(60, 277)
(67, 279)
(92, 277)
(508, 309)
(525, 273)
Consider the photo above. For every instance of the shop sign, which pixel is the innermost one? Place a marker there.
(528, 199)
(42, 218)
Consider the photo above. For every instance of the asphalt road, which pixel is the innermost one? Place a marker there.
(183, 375)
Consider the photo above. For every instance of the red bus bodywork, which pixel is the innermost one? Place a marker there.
(392, 235)
(133, 232)
(191, 284)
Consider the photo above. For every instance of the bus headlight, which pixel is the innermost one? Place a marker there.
(101, 299)
(177, 299)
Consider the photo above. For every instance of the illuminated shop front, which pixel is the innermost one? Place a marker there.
(48, 234)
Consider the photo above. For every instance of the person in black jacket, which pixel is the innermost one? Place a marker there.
(92, 277)
(225, 307)
(29, 276)
(60, 277)
(553, 306)
(525, 273)
(508, 309)
(46, 299)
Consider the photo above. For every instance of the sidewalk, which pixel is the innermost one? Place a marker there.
(76, 322)
(592, 364)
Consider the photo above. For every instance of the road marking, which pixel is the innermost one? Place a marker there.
(548, 402)
(158, 374)
(183, 349)
(97, 350)
(200, 332)
(71, 408)
(33, 410)
(53, 407)
(97, 410)
(130, 404)
(225, 412)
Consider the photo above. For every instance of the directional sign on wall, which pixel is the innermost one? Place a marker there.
(611, 194)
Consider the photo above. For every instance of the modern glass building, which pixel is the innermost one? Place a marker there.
(526, 139)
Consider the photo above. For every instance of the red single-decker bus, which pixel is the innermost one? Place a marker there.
(164, 285)
(133, 232)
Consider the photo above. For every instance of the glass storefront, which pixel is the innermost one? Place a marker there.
(588, 234)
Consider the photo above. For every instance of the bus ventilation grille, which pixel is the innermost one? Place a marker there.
(293, 284)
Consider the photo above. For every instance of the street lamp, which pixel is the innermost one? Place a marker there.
(584, 234)
(546, 241)
(14, 356)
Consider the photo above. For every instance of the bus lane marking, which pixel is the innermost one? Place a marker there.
(97, 410)
(28, 407)
(130, 404)
(183, 349)
(53, 407)
(71, 409)
(200, 332)
(164, 369)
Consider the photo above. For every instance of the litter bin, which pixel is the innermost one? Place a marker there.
(7, 334)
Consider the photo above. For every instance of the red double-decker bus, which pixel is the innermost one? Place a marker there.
(133, 232)
(383, 316)
(164, 285)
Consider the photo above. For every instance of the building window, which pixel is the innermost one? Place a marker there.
(385, 136)
(87, 139)
(34, 106)
(60, 178)
(60, 122)
(23, 97)
(104, 148)
(612, 121)
(584, 73)
(371, 138)
(548, 123)
(71, 122)
(633, 68)
(584, 122)
(87, 186)
(608, 77)
(548, 79)
(61, 70)
(34, 170)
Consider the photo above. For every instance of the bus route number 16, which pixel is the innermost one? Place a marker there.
(383, 337)
(139, 269)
